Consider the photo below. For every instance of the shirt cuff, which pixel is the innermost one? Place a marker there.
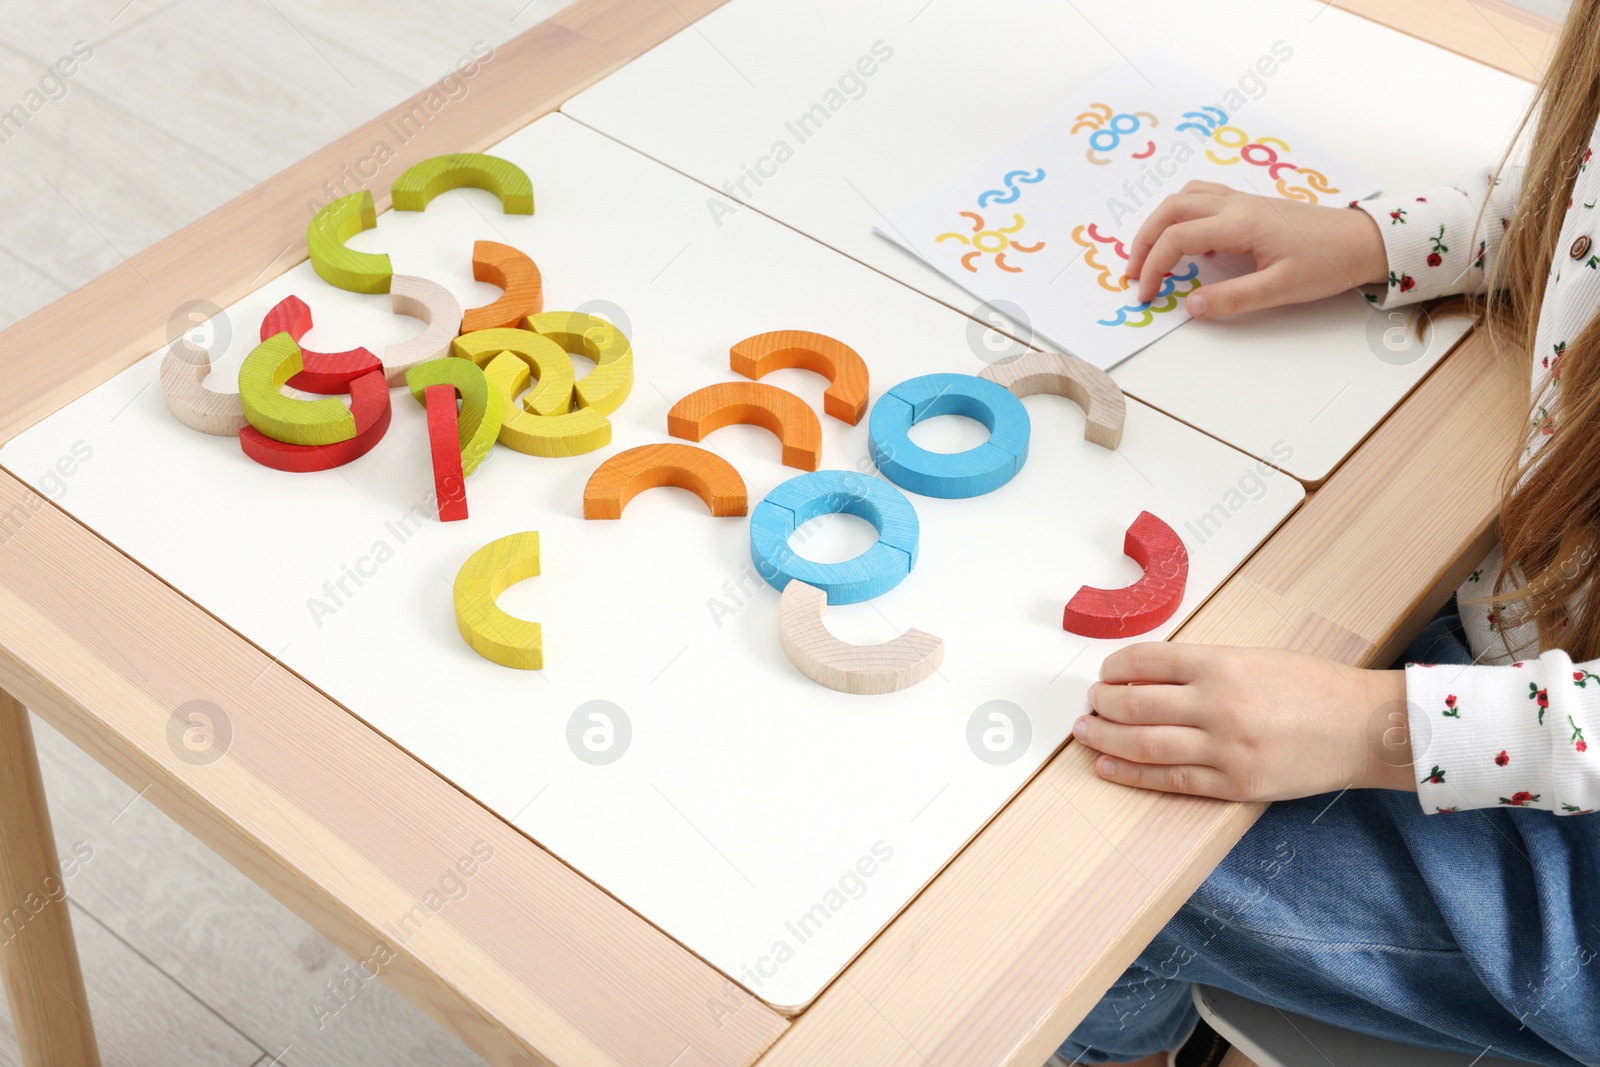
(1427, 240)
(1497, 736)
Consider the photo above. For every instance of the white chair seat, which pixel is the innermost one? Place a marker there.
(1274, 1038)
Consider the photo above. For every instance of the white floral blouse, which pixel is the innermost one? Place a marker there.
(1500, 732)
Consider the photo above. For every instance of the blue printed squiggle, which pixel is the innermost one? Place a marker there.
(1168, 285)
(1210, 124)
(997, 196)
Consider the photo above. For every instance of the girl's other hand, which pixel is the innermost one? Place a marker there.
(1245, 723)
(1302, 251)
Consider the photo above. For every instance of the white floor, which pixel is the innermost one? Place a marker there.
(182, 105)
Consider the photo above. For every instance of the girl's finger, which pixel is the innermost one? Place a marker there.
(1153, 661)
(1192, 780)
(1192, 238)
(1234, 296)
(1180, 207)
(1145, 705)
(1164, 745)
(1211, 188)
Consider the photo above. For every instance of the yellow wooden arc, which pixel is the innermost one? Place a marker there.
(607, 386)
(285, 418)
(330, 228)
(570, 433)
(421, 182)
(488, 572)
(540, 356)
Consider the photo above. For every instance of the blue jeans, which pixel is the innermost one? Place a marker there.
(1461, 932)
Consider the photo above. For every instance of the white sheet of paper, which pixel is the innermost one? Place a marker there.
(1045, 223)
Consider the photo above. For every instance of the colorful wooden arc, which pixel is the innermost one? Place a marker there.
(263, 374)
(322, 372)
(183, 370)
(488, 572)
(1148, 602)
(629, 473)
(421, 182)
(571, 433)
(580, 334)
(945, 474)
(444, 446)
(846, 371)
(513, 271)
(796, 426)
(482, 407)
(807, 496)
(330, 228)
(369, 410)
(862, 669)
(419, 298)
(541, 358)
(1086, 385)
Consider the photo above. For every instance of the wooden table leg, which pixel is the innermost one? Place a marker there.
(38, 956)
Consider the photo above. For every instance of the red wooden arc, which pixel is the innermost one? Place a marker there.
(627, 474)
(1148, 602)
(369, 403)
(444, 443)
(321, 372)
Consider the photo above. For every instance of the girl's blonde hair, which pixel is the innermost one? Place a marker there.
(1550, 510)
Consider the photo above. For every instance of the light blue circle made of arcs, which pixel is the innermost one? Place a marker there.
(801, 499)
(950, 475)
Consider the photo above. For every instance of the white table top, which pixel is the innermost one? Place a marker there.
(1300, 386)
(747, 795)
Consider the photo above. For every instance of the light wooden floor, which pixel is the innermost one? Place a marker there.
(184, 104)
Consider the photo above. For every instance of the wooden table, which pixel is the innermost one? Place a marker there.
(992, 964)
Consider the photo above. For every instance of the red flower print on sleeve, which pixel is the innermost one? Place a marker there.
(1436, 257)
(1520, 799)
(1435, 776)
(1404, 282)
(1582, 678)
(1540, 697)
(1397, 217)
(1577, 736)
(1502, 759)
(1450, 710)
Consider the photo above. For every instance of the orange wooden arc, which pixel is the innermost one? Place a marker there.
(512, 270)
(846, 371)
(627, 474)
(797, 427)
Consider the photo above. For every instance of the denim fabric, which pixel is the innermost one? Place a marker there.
(1463, 932)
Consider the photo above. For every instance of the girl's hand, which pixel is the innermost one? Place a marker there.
(1302, 251)
(1245, 723)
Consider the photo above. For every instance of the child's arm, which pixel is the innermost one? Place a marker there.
(1430, 241)
(1267, 724)
(1513, 735)
(1397, 249)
